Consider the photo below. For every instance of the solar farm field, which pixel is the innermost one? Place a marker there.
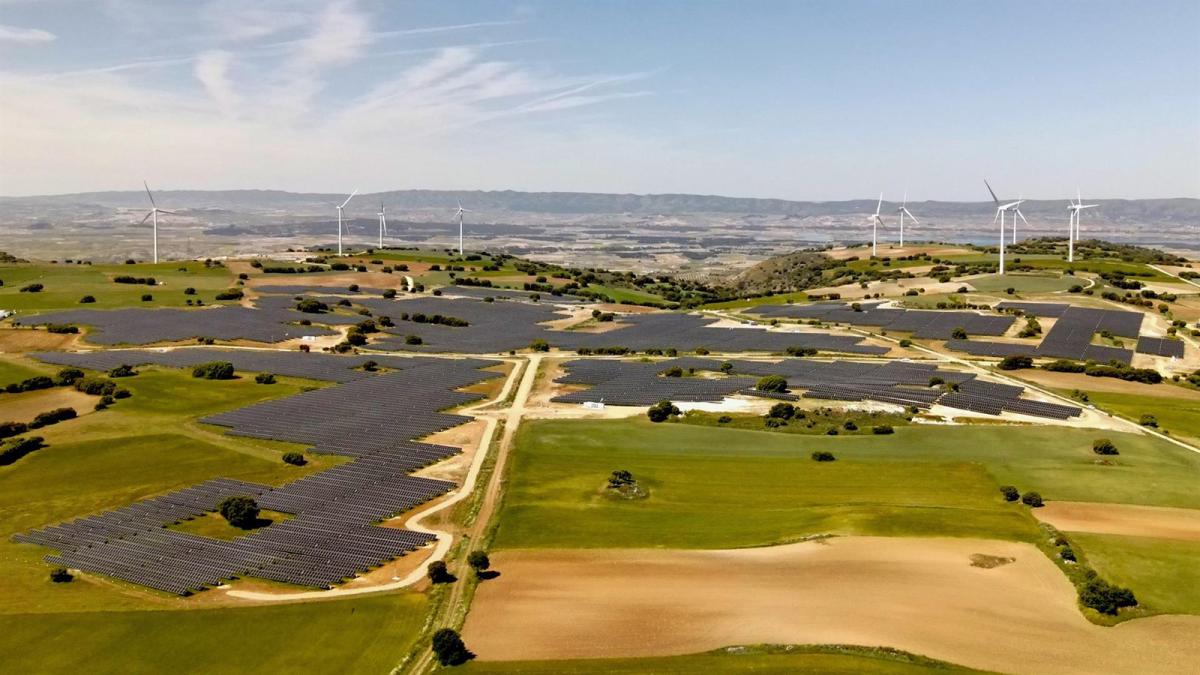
(1172, 412)
(143, 445)
(722, 488)
(1023, 283)
(64, 285)
(363, 635)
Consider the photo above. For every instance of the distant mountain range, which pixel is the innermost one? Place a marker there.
(1175, 211)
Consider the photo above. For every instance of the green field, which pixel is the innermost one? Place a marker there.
(144, 445)
(776, 299)
(1163, 573)
(718, 488)
(1177, 415)
(364, 635)
(1023, 282)
(763, 660)
(726, 488)
(14, 368)
(66, 284)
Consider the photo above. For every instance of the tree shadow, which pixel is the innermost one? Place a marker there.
(487, 574)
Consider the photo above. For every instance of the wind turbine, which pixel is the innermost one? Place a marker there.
(1073, 228)
(903, 211)
(459, 214)
(154, 211)
(382, 224)
(339, 210)
(876, 221)
(1001, 209)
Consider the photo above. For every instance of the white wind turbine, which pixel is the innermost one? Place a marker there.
(903, 211)
(339, 210)
(1001, 209)
(1073, 227)
(876, 221)
(459, 215)
(382, 224)
(154, 211)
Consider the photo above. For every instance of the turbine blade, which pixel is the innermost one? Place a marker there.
(147, 217)
(989, 187)
(170, 212)
(348, 199)
(1022, 216)
(148, 193)
(879, 205)
(910, 215)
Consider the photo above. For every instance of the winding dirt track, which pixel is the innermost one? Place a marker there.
(920, 595)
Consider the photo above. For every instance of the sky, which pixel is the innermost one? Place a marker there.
(817, 100)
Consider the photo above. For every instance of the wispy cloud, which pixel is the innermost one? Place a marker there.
(25, 36)
(212, 69)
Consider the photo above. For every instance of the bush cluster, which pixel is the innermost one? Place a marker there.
(662, 411)
(16, 448)
(214, 370)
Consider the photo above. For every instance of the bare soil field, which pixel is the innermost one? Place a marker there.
(896, 251)
(24, 407)
(17, 340)
(1048, 378)
(1124, 519)
(920, 595)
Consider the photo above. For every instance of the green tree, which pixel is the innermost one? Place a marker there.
(772, 383)
(662, 411)
(294, 458)
(239, 511)
(479, 561)
(449, 647)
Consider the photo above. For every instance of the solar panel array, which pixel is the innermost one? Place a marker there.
(1160, 347)
(313, 366)
(1069, 338)
(301, 289)
(921, 323)
(332, 535)
(480, 292)
(898, 382)
(492, 327)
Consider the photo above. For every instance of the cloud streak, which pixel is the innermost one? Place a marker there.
(25, 36)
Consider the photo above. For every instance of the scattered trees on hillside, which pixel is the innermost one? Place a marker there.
(662, 411)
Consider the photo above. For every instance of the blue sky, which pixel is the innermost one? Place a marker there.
(798, 100)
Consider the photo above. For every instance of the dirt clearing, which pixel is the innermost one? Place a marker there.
(1125, 519)
(24, 407)
(919, 595)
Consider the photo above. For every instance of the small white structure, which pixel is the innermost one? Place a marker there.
(5, 313)
(308, 338)
(594, 405)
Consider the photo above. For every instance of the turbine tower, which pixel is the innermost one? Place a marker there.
(1073, 227)
(876, 221)
(1001, 209)
(339, 210)
(154, 211)
(903, 211)
(382, 224)
(459, 214)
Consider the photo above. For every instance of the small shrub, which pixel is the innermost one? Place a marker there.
(1016, 362)
(823, 456)
(265, 378)
(215, 370)
(413, 340)
(1148, 421)
(1032, 499)
(959, 333)
(539, 346)
(294, 458)
(124, 370)
(849, 425)
(724, 419)
(662, 411)
(782, 410)
(1010, 492)
(882, 429)
(60, 575)
(87, 299)
(146, 297)
(1103, 446)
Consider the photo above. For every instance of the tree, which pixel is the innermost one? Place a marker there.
(882, 429)
(479, 561)
(1010, 492)
(673, 371)
(1032, 499)
(1103, 446)
(661, 411)
(294, 458)
(124, 370)
(772, 383)
(265, 378)
(1148, 421)
(438, 573)
(823, 456)
(239, 511)
(726, 367)
(60, 575)
(87, 299)
(450, 648)
(214, 370)
(1016, 362)
(311, 306)
(959, 333)
(539, 345)
(782, 410)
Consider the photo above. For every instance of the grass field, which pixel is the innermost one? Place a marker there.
(1164, 574)
(727, 488)
(66, 284)
(365, 635)
(717, 488)
(15, 369)
(763, 660)
(777, 299)
(1023, 283)
(142, 446)
(1179, 416)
